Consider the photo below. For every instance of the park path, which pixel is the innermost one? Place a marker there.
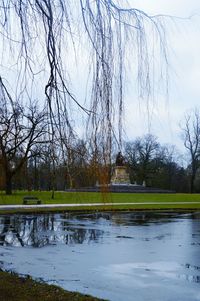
(43, 206)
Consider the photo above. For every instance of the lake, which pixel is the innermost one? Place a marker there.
(121, 256)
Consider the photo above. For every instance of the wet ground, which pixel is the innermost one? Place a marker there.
(118, 256)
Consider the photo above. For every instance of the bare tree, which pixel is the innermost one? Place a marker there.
(76, 162)
(191, 137)
(44, 35)
(140, 153)
(20, 129)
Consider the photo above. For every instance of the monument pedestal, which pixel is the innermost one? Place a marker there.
(120, 176)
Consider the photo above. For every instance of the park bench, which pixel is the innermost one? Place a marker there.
(31, 199)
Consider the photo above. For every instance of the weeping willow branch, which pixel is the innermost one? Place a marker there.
(43, 35)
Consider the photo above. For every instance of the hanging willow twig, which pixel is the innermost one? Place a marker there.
(42, 34)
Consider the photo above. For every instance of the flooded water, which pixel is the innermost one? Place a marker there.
(117, 256)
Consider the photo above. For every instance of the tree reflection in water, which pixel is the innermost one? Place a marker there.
(40, 230)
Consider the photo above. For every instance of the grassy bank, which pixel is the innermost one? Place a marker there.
(146, 199)
(15, 288)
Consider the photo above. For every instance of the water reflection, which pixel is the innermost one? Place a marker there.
(133, 255)
(46, 229)
(137, 218)
(38, 231)
(190, 278)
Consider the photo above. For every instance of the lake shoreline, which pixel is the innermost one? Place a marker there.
(91, 210)
(14, 287)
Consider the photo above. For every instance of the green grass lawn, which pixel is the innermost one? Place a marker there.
(95, 197)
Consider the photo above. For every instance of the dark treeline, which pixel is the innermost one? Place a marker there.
(146, 159)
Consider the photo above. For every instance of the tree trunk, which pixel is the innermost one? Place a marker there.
(191, 185)
(192, 181)
(8, 183)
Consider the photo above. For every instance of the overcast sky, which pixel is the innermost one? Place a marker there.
(164, 111)
(184, 71)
